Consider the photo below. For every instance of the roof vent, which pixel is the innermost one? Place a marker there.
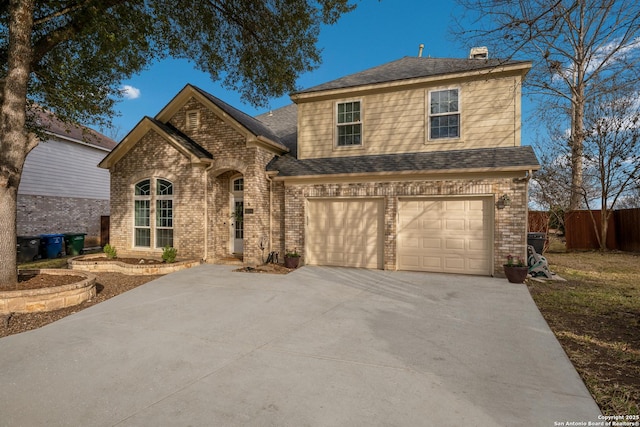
(479, 53)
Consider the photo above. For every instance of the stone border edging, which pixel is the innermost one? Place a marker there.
(115, 266)
(51, 298)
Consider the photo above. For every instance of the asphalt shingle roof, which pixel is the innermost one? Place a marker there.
(69, 130)
(409, 68)
(284, 124)
(481, 158)
(251, 123)
(187, 143)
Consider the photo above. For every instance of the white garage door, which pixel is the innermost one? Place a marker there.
(449, 235)
(345, 232)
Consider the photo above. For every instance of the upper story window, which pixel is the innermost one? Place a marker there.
(444, 114)
(349, 124)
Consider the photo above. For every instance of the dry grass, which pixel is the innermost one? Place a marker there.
(596, 317)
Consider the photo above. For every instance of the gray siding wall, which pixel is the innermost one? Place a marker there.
(65, 169)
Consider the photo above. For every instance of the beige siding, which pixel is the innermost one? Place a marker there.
(397, 122)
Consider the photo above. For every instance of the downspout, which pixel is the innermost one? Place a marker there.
(205, 175)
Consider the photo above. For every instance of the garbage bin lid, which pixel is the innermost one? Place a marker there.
(52, 235)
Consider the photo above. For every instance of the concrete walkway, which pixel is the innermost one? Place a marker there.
(317, 347)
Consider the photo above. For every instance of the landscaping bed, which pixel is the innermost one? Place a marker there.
(595, 315)
(107, 285)
(127, 265)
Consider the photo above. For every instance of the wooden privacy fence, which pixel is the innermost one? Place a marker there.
(623, 230)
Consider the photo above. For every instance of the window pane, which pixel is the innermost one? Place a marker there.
(142, 212)
(164, 188)
(164, 213)
(143, 237)
(238, 184)
(143, 188)
(164, 237)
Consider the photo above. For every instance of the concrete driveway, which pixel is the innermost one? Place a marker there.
(317, 347)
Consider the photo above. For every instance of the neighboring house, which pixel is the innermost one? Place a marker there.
(62, 189)
(412, 165)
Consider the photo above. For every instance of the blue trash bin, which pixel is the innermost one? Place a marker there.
(51, 245)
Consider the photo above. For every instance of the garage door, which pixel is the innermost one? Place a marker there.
(448, 235)
(345, 232)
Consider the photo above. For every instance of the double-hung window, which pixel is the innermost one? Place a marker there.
(444, 114)
(142, 213)
(164, 213)
(349, 124)
(161, 199)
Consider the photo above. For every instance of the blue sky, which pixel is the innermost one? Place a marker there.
(375, 33)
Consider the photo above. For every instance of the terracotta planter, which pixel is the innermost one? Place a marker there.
(291, 262)
(516, 274)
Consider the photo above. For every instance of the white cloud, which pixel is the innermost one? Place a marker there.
(130, 92)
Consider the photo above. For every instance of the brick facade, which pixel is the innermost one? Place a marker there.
(46, 214)
(510, 222)
(274, 216)
(154, 157)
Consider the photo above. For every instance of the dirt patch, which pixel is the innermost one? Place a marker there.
(108, 285)
(266, 268)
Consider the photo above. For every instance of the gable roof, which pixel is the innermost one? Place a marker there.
(183, 140)
(72, 132)
(180, 141)
(476, 160)
(252, 124)
(411, 67)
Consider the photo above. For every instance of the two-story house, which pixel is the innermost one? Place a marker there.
(416, 164)
(62, 189)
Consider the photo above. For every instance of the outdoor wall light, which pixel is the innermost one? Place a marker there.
(503, 201)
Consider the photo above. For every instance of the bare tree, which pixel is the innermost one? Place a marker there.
(612, 153)
(580, 49)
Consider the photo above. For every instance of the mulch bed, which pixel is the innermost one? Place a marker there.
(135, 261)
(266, 268)
(40, 281)
(108, 285)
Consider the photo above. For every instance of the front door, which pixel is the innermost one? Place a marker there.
(237, 209)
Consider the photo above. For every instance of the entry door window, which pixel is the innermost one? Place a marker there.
(239, 227)
(237, 204)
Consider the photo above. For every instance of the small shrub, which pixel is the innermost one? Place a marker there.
(110, 251)
(292, 253)
(169, 254)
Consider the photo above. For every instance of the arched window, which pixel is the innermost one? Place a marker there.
(142, 213)
(162, 200)
(164, 213)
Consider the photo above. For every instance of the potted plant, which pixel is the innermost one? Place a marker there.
(291, 258)
(515, 269)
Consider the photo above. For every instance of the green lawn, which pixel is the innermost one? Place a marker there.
(596, 316)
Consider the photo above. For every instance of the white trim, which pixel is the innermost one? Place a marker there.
(336, 124)
(429, 115)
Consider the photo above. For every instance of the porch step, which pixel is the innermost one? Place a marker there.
(229, 260)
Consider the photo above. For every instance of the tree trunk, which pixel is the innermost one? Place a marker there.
(8, 264)
(15, 143)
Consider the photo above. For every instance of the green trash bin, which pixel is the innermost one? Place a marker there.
(74, 243)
